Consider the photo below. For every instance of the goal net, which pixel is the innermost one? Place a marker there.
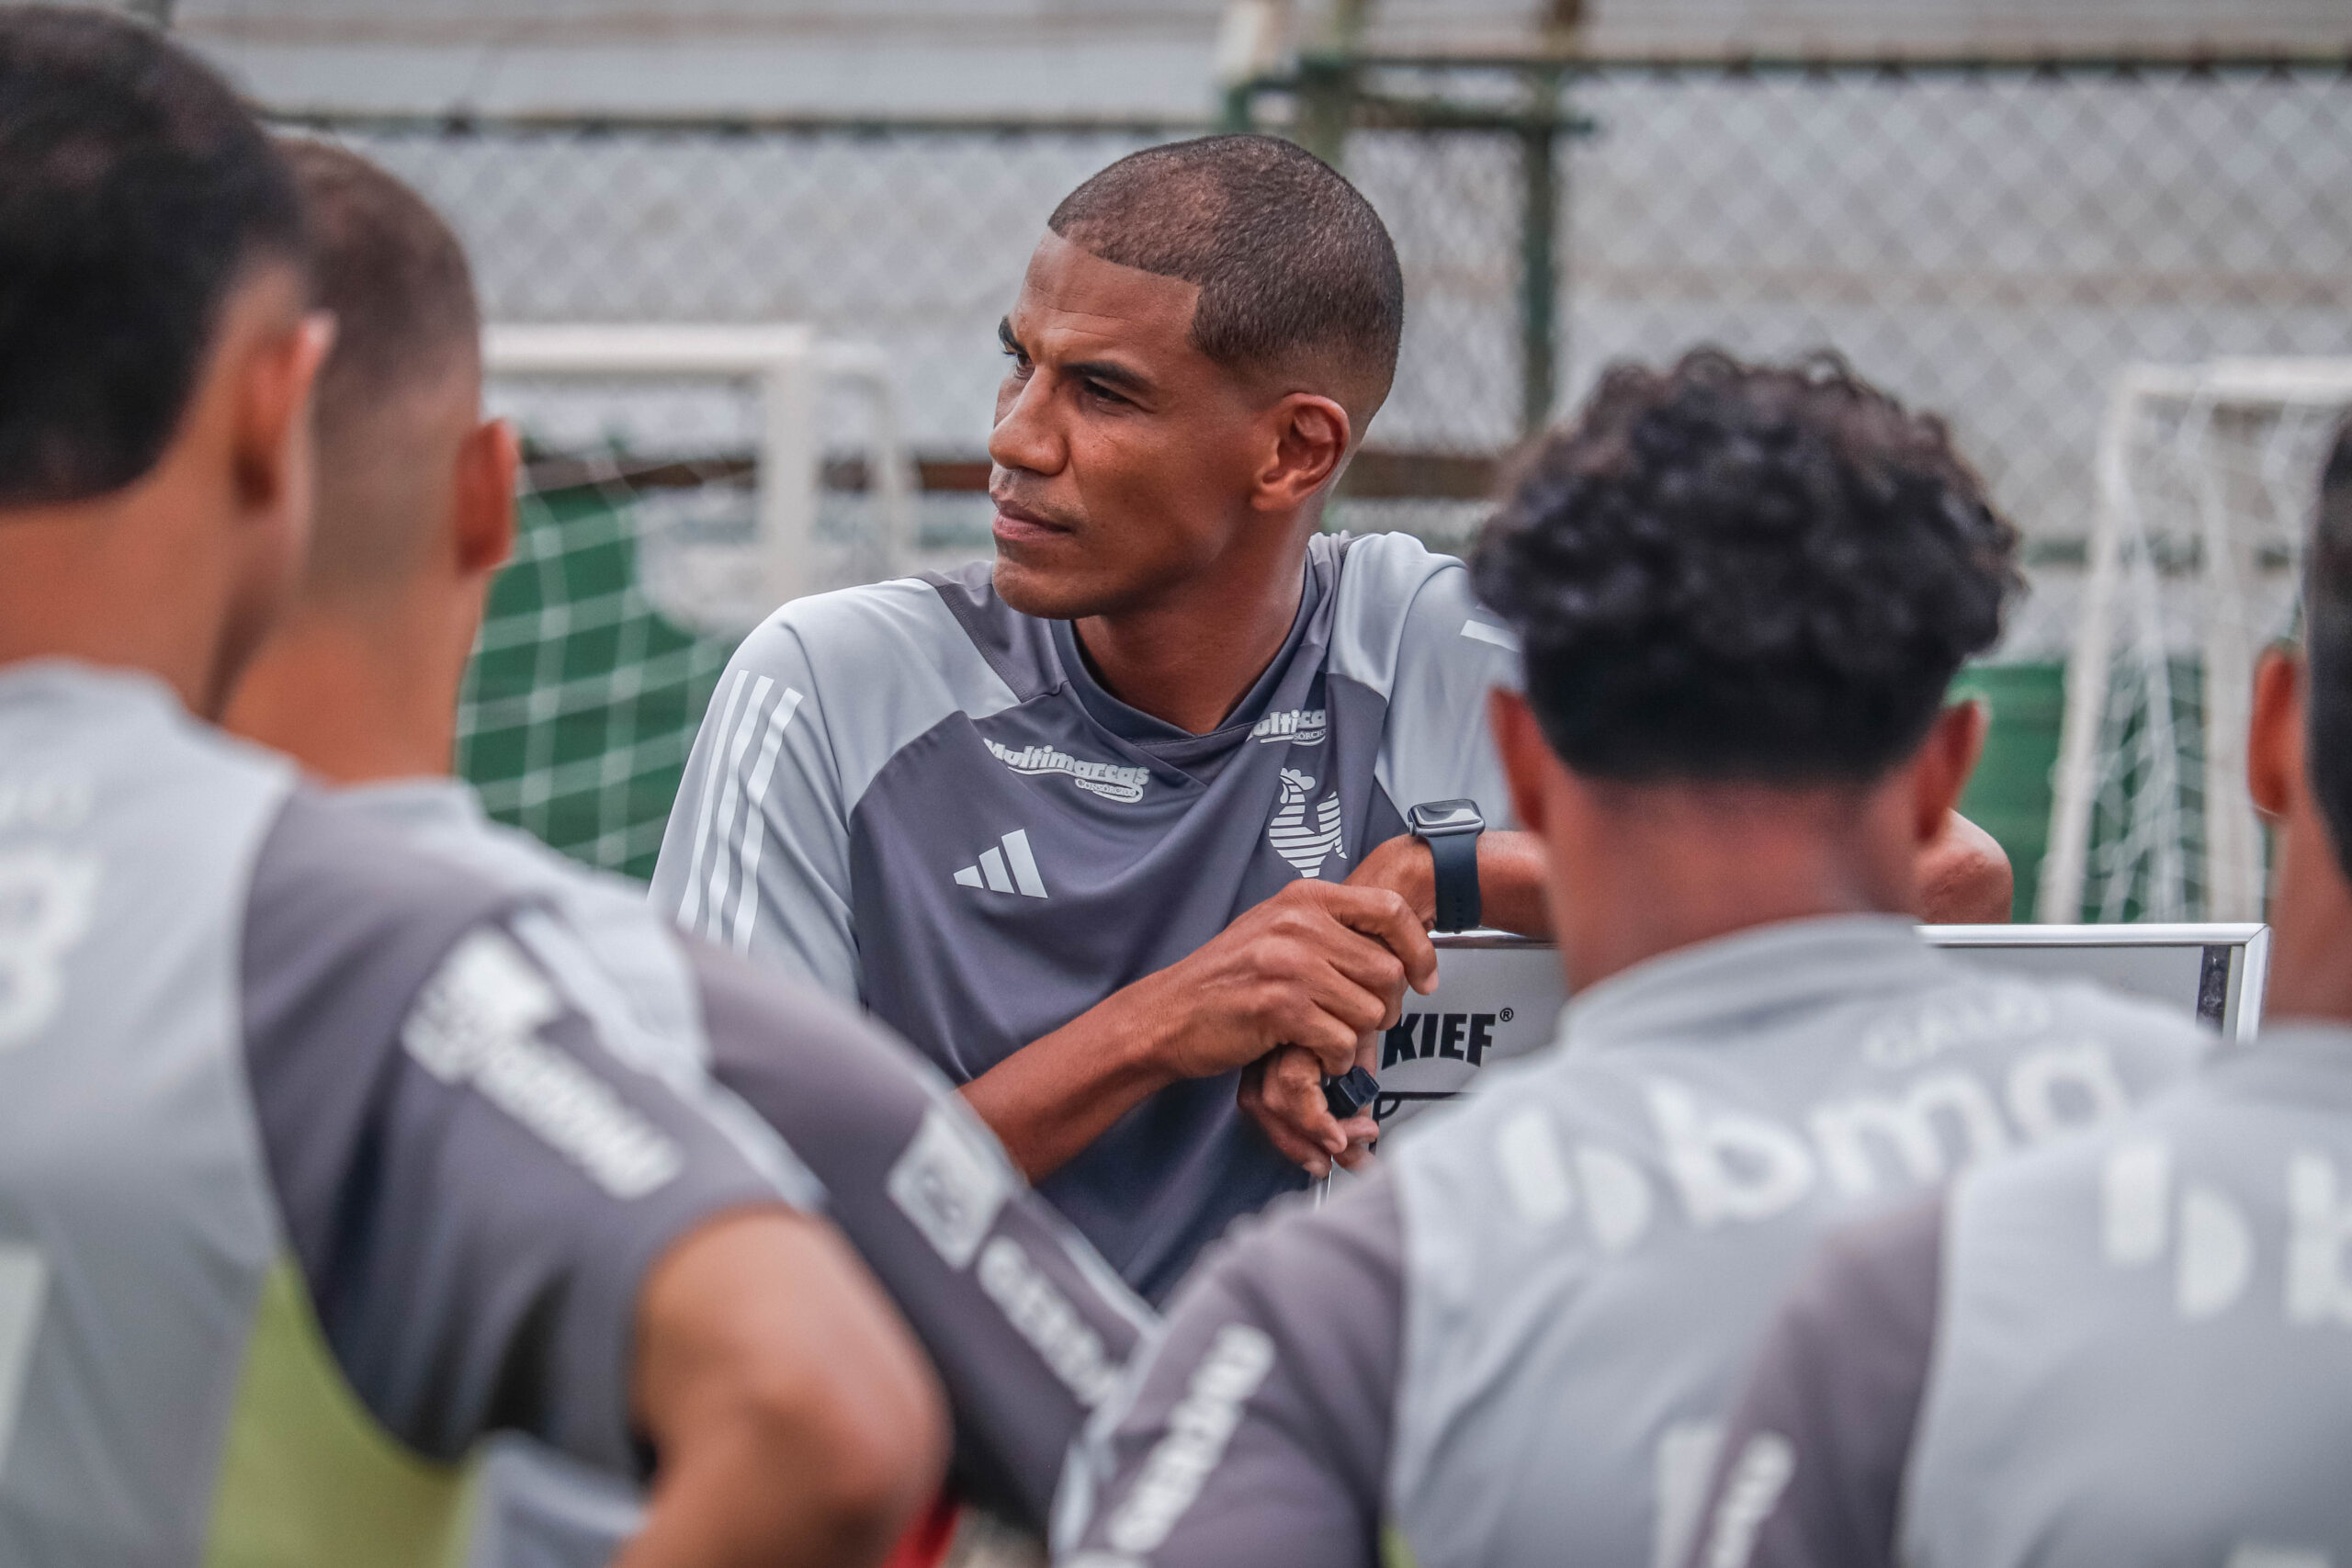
(675, 493)
(2207, 477)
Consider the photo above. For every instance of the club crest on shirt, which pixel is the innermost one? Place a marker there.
(1108, 780)
(1298, 727)
(1305, 837)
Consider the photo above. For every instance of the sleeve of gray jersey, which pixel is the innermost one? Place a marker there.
(473, 1186)
(1029, 1330)
(755, 857)
(1258, 1428)
(1449, 653)
(1811, 1464)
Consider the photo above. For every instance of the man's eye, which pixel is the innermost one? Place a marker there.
(1102, 393)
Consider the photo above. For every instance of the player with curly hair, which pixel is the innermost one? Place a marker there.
(1741, 592)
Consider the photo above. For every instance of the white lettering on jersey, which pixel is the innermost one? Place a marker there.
(47, 897)
(1198, 1430)
(1041, 1315)
(1299, 727)
(1304, 843)
(1729, 1164)
(951, 1184)
(1008, 868)
(2213, 1241)
(2261, 1554)
(477, 1021)
(1751, 1491)
(2319, 1224)
(44, 803)
(1962, 1016)
(1109, 780)
(24, 1282)
(1906, 1123)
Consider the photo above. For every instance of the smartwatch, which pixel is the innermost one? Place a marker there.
(1451, 828)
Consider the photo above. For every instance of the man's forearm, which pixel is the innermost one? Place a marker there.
(1055, 1096)
(1510, 880)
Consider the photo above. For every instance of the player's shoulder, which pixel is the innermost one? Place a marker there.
(2127, 1023)
(331, 869)
(929, 634)
(1398, 601)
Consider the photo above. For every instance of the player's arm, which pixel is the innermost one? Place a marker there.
(1811, 1469)
(504, 1225)
(1259, 1429)
(1028, 1330)
(1318, 966)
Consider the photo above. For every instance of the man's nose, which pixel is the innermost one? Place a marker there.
(1026, 435)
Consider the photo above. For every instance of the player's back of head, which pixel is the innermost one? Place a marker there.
(1296, 269)
(1744, 573)
(135, 193)
(403, 385)
(2327, 620)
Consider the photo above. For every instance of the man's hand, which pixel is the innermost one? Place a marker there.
(1964, 877)
(1317, 965)
(1283, 1092)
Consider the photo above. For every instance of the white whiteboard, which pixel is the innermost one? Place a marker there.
(1500, 996)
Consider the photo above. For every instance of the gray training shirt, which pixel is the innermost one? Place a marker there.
(2135, 1348)
(289, 1115)
(1523, 1331)
(920, 798)
(1028, 1329)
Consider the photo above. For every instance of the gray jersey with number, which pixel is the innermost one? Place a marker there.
(1027, 1327)
(921, 798)
(1523, 1333)
(2136, 1349)
(312, 1170)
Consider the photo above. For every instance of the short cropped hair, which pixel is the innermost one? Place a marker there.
(1746, 573)
(135, 190)
(1291, 261)
(2327, 631)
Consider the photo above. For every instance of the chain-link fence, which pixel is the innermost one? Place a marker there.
(1993, 244)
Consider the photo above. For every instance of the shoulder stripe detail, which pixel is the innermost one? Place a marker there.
(756, 821)
(1480, 631)
(690, 905)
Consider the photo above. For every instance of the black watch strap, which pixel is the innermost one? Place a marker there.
(1457, 857)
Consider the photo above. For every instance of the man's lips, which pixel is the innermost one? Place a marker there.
(1016, 524)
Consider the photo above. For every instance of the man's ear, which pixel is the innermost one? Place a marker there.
(483, 505)
(1311, 436)
(271, 450)
(2274, 742)
(1940, 770)
(1525, 754)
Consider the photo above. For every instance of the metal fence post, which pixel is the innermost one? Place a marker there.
(1539, 279)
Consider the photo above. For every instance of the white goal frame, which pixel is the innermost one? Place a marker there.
(790, 363)
(2233, 869)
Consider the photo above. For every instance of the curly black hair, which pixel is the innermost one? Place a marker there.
(1744, 572)
(2327, 637)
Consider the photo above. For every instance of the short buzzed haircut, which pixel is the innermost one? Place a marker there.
(2327, 631)
(135, 193)
(1292, 262)
(406, 323)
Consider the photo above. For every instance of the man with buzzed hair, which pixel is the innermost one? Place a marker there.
(1025, 1327)
(1117, 832)
(319, 1160)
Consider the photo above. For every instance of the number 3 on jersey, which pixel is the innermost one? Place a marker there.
(46, 899)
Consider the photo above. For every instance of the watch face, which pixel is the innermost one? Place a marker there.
(1447, 816)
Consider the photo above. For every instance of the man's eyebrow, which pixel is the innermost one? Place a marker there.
(1004, 333)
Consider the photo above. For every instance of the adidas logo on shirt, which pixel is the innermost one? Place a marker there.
(1009, 868)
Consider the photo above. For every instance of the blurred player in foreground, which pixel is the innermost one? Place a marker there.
(1742, 593)
(2135, 1348)
(414, 515)
(1118, 831)
(316, 1166)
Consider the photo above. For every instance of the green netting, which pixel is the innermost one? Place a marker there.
(583, 701)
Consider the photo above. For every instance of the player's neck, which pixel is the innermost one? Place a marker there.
(355, 700)
(112, 583)
(1630, 886)
(2310, 928)
(1190, 656)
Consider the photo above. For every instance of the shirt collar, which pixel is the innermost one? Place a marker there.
(73, 680)
(1716, 986)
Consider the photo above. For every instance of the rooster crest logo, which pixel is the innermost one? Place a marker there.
(1305, 844)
